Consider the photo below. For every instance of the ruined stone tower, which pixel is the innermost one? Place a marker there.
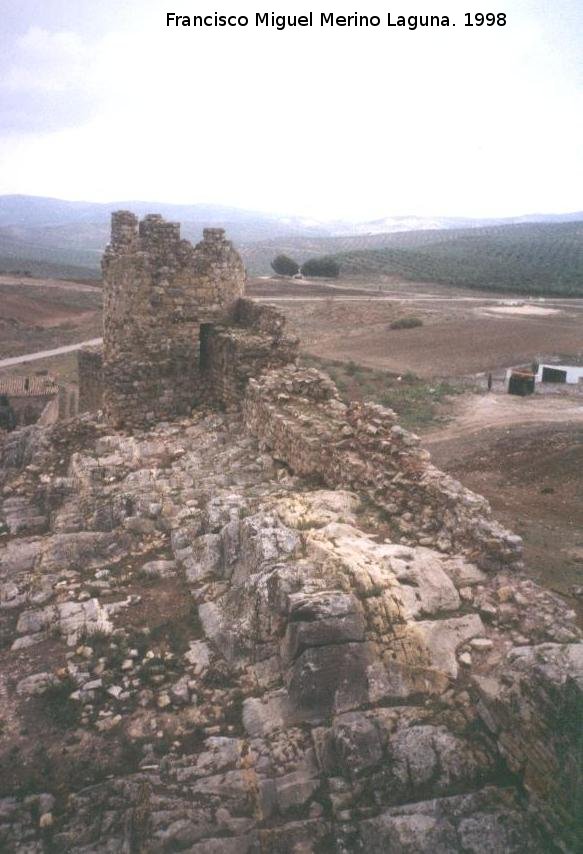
(159, 293)
(177, 332)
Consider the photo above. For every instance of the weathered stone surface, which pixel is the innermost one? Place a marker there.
(330, 679)
(535, 708)
(205, 559)
(491, 820)
(36, 684)
(159, 568)
(318, 508)
(442, 639)
(393, 680)
(262, 539)
(357, 743)
(424, 755)
(19, 556)
(262, 716)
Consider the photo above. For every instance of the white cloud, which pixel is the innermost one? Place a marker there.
(48, 82)
(48, 61)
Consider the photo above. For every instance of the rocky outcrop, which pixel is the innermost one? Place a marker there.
(218, 654)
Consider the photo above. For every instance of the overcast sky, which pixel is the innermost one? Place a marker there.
(100, 101)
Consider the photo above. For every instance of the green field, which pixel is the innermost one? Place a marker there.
(539, 258)
(526, 258)
(41, 269)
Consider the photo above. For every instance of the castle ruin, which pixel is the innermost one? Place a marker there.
(311, 638)
(171, 313)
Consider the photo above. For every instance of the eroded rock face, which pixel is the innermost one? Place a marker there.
(203, 652)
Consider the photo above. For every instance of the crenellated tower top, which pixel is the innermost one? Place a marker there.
(158, 291)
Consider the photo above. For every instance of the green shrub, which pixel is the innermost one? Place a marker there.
(59, 707)
(283, 265)
(325, 267)
(406, 323)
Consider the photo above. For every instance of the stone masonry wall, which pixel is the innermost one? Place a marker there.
(297, 414)
(158, 290)
(232, 355)
(90, 372)
(29, 409)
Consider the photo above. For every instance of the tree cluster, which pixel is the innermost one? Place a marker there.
(323, 267)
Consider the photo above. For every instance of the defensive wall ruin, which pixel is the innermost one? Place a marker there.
(178, 333)
(348, 634)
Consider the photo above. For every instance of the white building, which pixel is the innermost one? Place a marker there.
(553, 373)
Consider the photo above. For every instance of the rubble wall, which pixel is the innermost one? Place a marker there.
(297, 414)
(29, 409)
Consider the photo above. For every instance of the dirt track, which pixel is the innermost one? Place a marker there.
(60, 284)
(48, 354)
(473, 414)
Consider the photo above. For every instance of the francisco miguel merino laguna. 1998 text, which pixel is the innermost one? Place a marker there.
(330, 19)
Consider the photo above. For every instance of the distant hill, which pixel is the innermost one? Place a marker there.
(38, 219)
(258, 255)
(42, 232)
(534, 258)
(386, 225)
(532, 253)
(48, 233)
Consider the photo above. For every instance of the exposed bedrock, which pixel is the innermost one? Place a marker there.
(331, 690)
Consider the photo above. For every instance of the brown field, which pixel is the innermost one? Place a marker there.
(455, 346)
(459, 337)
(44, 314)
(531, 475)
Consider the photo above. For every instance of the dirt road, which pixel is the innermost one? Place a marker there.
(475, 413)
(47, 354)
(61, 284)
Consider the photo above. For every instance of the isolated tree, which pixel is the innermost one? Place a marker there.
(285, 266)
(325, 267)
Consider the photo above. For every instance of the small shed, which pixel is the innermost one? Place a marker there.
(521, 383)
